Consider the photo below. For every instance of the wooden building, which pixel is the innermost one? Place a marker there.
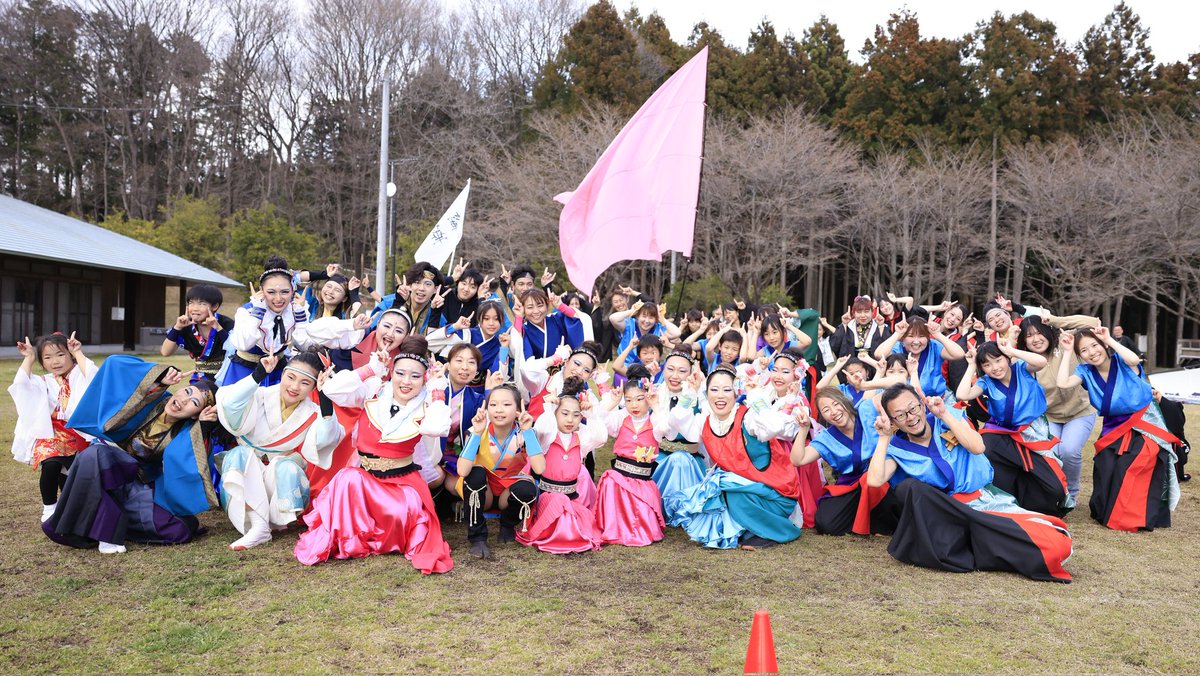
(59, 273)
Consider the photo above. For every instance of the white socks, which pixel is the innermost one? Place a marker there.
(48, 511)
(109, 548)
(258, 533)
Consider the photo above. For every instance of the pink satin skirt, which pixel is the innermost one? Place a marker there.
(628, 511)
(358, 515)
(561, 525)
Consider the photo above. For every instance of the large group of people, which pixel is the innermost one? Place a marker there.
(378, 421)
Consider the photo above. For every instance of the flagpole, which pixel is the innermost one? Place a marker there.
(381, 221)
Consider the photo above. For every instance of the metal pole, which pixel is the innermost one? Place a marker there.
(381, 221)
(391, 225)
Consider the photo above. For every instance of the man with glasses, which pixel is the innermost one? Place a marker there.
(952, 517)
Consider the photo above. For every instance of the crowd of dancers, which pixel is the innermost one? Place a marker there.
(378, 421)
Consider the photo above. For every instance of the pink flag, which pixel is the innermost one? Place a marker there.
(640, 199)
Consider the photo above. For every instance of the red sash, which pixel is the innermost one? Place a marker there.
(730, 454)
(868, 499)
(1026, 449)
(1124, 432)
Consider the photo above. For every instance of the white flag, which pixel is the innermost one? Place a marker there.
(440, 243)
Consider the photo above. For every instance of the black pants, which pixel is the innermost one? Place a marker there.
(53, 477)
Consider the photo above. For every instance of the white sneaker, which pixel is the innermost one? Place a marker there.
(48, 511)
(110, 548)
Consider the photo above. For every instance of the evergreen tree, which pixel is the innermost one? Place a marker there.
(597, 63)
(1027, 80)
(830, 64)
(1118, 64)
(910, 88)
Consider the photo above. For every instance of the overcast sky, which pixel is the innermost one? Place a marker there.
(1174, 25)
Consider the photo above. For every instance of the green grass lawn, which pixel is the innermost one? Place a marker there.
(836, 604)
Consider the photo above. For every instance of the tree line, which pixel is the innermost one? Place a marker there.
(1001, 160)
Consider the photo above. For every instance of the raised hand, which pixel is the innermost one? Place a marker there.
(662, 310)
(562, 352)
(504, 274)
(355, 283)
(504, 339)
(332, 269)
(883, 427)
(209, 414)
(971, 352)
(462, 323)
(635, 307)
(935, 328)
(403, 289)
(912, 364)
(383, 355)
(479, 421)
(361, 322)
(458, 269)
(547, 277)
(525, 420)
(846, 316)
(324, 377)
(255, 294)
(936, 406)
(210, 322)
(841, 361)
(518, 309)
(486, 287)
(553, 300)
(439, 298)
(73, 344)
(551, 402)
(1101, 333)
(269, 362)
(741, 305)
(493, 380)
(436, 371)
(1067, 341)
(695, 378)
(855, 379)
(1004, 302)
(26, 348)
(182, 322)
(174, 376)
(801, 415)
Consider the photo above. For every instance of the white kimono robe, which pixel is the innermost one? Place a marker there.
(36, 399)
(277, 491)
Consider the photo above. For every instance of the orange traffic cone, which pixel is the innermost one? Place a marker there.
(760, 654)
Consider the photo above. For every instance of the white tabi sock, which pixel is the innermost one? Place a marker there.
(258, 533)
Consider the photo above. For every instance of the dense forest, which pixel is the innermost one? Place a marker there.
(1066, 175)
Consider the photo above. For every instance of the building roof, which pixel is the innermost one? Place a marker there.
(29, 230)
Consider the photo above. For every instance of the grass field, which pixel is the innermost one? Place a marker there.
(836, 604)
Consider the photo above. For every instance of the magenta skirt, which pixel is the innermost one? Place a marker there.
(628, 511)
(358, 515)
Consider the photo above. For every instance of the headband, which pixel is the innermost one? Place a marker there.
(409, 355)
(681, 353)
(274, 271)
(584, 350)
(302, 372)
(428, 274)
(785, 355)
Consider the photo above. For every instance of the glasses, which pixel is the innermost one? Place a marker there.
(915, 410)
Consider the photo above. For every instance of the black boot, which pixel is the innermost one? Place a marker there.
(474, 495)
(521, 497)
